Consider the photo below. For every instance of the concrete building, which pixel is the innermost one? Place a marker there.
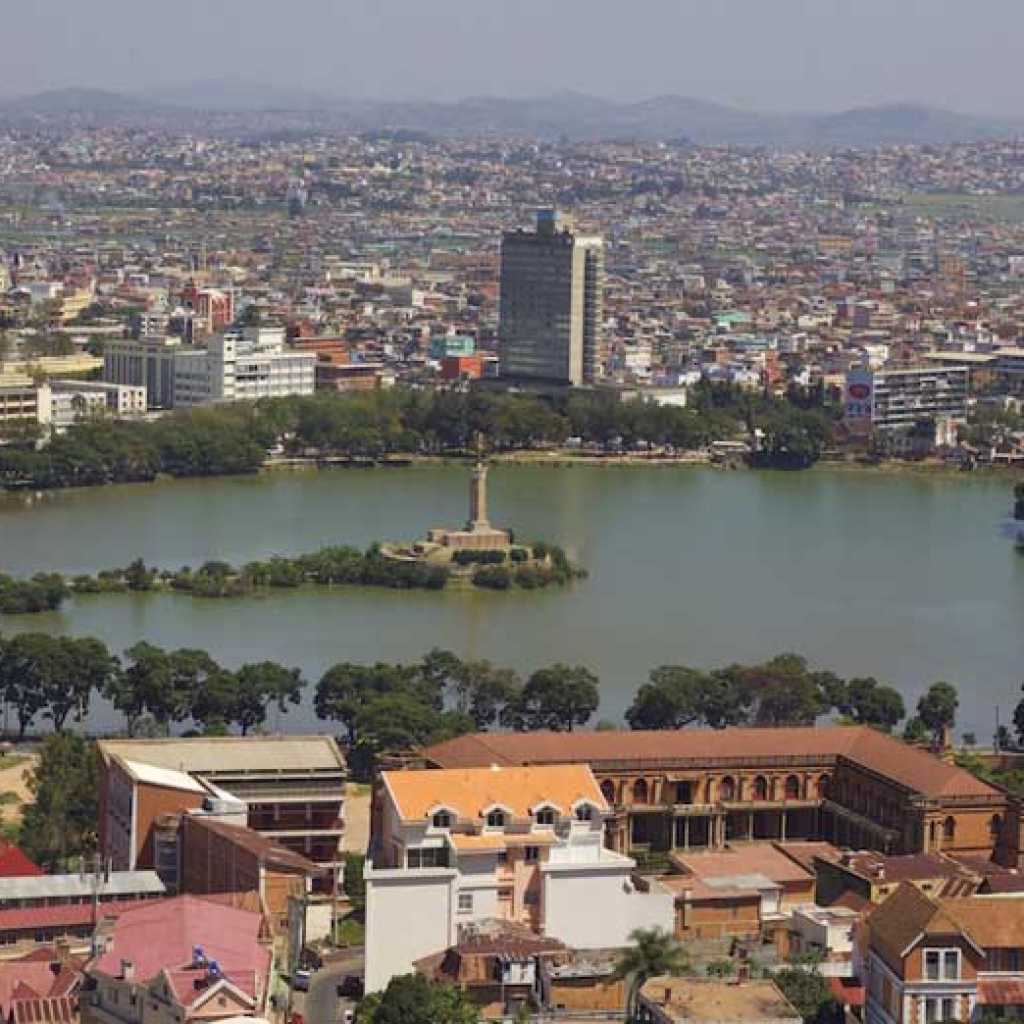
(24, 402)
(72, 401)
(891, 400)
(146, 362)
(698, 789)
(552, 303)
(451, 849)
(233, 366)
(288, 789)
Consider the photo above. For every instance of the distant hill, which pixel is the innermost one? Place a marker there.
(568, 114)
(74, 101)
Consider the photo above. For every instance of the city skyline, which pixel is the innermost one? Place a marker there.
(788, 56)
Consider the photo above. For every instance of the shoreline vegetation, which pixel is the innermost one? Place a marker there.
(527, 567)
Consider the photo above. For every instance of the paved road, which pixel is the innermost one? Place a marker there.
(322, 1003)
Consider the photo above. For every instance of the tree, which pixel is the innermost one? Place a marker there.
(61, 821)
(914, 730)
(809, 993)
(138, 577)
(557, 698)
(483, 691)
(258, 686)
(412, 999)
(654, 951)
(345, 688)
(782, 691)
(354, 884)
(52, 674)
(937, 708)
(869, 702)
(673, 697)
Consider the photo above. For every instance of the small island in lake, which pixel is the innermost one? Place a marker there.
(482, 554)
(478, 555)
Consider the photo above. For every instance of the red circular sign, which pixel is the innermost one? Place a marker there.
(860, 390)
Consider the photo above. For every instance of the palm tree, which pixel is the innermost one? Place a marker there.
(654, 951)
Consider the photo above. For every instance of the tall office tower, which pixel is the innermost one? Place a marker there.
(552, 303)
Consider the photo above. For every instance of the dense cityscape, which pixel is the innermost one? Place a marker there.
(520, 560)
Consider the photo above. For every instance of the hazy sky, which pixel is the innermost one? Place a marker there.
(770, 54)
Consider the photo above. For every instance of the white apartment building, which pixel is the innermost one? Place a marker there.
(885, 400)
(454, 847)
(233, 366)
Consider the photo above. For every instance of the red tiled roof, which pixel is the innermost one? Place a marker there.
(909, 766)
(15, 864)
(71, 916)
(1000, 991)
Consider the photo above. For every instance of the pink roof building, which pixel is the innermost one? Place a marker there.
(197, 958)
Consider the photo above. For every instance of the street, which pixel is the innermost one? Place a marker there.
(321, 1004)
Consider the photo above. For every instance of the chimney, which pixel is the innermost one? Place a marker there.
(880, 872)
(127, 970)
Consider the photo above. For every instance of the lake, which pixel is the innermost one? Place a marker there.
(903, 577)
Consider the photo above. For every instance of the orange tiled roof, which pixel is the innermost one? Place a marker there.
(908, 766)
(471, 791)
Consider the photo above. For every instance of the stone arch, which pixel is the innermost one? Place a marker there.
(727, 788)
(823, 786)
(995, 826)
(608, 791)
(760, 788)
(640, 791)
(792, 787)
(949, 829)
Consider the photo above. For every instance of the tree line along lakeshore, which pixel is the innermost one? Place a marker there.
(235, 438)
(385, 707)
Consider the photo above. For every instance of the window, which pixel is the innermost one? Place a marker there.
(503, 856)
(792, 788)
(727, 788)
(760, 788)
(931, 1010)
(546, 816)
(430, 857)
(949, 829)
(496, 819)
(949, 1009)
(442, 820)
(942, 964)
(584, 812)
(640, 791)
(465, 903)
(531, 854)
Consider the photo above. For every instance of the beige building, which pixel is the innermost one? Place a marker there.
(552, 283)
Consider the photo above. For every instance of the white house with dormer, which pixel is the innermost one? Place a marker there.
(455, 847)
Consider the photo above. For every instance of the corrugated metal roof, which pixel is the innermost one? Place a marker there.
(120, 883)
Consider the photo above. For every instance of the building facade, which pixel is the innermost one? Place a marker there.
(452, 849)
(290, 790)
(890, 400)
(698, 789)
(551, 304)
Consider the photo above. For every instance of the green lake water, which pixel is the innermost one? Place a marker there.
(907, 578)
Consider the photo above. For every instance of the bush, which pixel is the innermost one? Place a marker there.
(519, 555)
(492, 577)
(491, 556)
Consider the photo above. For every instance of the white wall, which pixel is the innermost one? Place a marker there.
(408, 916)
(597, 907)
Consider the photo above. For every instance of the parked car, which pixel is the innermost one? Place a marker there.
(300, 980)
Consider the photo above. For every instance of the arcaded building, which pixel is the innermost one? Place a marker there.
(694, 789)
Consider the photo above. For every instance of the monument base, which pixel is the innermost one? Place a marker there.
(470, 540)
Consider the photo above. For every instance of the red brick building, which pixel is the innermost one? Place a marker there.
(700, 788)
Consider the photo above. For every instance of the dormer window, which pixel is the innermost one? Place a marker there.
(496, 819)
(442, 819)
(545, 816)
(585, 812)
